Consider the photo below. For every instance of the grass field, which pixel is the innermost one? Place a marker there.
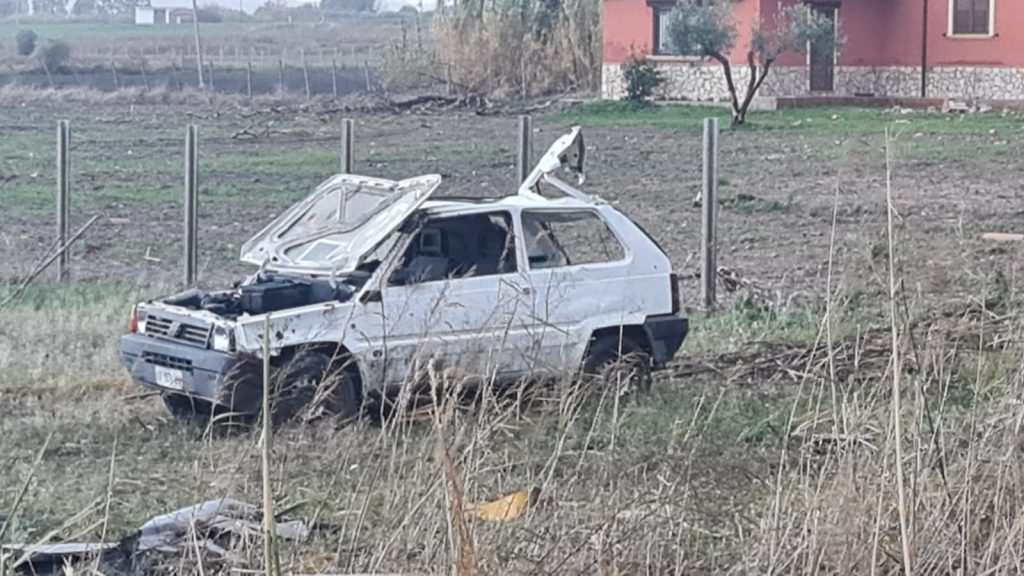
(767, 446)
(348, 39)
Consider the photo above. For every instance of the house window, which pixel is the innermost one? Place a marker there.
(971, 17)
(661, 17)
(662, 46)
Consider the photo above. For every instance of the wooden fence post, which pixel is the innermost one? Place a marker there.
(280, 76)
(347, 145)
(248, 79)
(213, 87)
(709, 228)
(305, 73)
(113, 69)
(191, 203)
(63, 194)
(525, 156)
(334, 78)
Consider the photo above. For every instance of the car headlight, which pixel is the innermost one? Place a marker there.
(223, 339)
(140, 321)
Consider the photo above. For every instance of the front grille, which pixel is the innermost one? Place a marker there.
(163, 327)
(167, 361)
(195, 334)
(157, 326)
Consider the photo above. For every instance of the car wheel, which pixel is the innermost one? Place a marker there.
(188, 408)
(241, 394)
(314, 385)
(625, 368)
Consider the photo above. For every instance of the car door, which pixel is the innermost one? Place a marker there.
(455, 301)
(575, 268)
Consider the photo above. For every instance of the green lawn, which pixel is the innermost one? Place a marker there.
(841, 121)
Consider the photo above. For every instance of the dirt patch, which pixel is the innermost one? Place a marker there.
(775, 226)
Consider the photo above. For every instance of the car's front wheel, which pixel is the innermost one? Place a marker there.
(188, 408)
(316, 384)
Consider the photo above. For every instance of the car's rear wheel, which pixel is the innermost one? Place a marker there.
(618, 364)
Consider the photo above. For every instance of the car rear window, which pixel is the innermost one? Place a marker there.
(568, 238)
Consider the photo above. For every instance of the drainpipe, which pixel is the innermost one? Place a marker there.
(924, 49)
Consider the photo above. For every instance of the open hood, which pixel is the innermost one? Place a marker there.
(342, 220)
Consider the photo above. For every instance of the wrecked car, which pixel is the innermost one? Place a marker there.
(367, 282)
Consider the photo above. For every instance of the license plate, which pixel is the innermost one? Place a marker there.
(169, 378)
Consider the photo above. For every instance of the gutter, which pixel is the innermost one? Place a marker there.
(924, 49)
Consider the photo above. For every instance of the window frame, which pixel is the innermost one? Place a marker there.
(951, 22)
(426, 219)
(658, 11)
(666, 6)
(627, 253)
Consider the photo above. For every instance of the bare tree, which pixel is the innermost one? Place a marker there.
(708, 30)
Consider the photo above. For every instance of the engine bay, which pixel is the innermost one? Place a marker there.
(269, 292)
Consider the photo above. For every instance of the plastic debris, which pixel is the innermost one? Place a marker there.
(507, 507)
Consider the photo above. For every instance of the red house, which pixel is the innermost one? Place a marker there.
(963, 49)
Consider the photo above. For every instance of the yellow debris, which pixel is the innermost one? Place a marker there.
(507, 507)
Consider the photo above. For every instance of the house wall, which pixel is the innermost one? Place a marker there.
(628, 27)
(143, 15)
(881, 55)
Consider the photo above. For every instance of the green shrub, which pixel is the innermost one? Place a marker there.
(25, 41)
(55, 55)
(641, 79)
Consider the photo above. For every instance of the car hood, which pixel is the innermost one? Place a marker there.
(340, 222)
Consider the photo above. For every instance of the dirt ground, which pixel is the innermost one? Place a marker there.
(778, 189)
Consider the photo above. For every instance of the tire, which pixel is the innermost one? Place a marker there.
(626, 368)
(314, 385)
(188, 408)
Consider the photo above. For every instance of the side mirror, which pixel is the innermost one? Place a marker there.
(372, 295)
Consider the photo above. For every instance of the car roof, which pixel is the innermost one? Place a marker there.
(458, 204)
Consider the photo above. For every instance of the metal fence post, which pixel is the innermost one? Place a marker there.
(347, 146)
(248, 79)
(63, 195)
(191, 203)
(709, 229)
(280, 76)
(525, 156)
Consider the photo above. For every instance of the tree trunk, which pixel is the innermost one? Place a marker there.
(721, 59)
(756, 79)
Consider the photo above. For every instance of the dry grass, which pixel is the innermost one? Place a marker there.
(520, 51)
(686, 480)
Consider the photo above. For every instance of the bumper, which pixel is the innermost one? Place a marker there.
(666, 334)
(173, 367)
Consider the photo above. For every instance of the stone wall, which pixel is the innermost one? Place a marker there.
(691, 79)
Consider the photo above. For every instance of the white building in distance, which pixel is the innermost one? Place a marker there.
(164, 12)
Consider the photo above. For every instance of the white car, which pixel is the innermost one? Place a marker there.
(367, 281)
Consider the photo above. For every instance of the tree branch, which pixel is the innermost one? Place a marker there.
(721, 59)
(756, 80)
